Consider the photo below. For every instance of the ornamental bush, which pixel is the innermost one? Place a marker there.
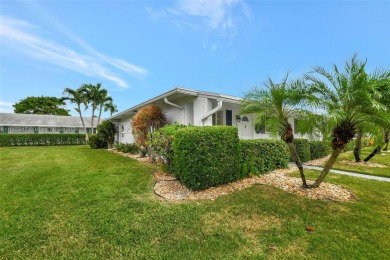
(97, 141)
(263, 155)
(303, 149)
(206, 156)
(160, 143)
(107, 131)
(318, 149)
(128, 148)
(41, 139)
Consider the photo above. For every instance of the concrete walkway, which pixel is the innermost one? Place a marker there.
(365, 176)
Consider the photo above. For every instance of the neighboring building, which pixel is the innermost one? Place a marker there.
(198, 108)
(33, 123)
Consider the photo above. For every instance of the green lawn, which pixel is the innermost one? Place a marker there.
(382, 158)
(75, 202)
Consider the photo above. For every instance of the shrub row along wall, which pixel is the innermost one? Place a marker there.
(207, 156)
(262, 155)
(318, 149)
(303, 149)
(310, 150)
(41, 139)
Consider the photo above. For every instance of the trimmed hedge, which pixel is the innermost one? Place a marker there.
(97, 141)
(303, 149)
(263, 155)
(207, 156)
(318, 149)
(131, 148)
(41, 139)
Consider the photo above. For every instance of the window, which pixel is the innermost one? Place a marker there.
(245, 119)
(229, 118)
(218, 118)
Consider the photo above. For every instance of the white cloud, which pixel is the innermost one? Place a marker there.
(6, 107)
(219, 19)
(217, 13)
(23, 37)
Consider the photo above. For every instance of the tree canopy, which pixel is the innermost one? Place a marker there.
(41, 105)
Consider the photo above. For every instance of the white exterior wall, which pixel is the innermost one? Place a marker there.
(193, 110)
(124, 131)
(175, 114)
(202, 105)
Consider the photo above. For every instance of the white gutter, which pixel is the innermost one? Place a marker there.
(177, 106)
(219, 106)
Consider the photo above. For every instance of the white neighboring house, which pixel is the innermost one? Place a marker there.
(11, 123)
(192, 107)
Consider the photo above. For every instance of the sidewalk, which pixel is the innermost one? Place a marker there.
(359, 175)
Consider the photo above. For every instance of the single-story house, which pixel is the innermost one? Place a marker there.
(198, 108)
(33, 123)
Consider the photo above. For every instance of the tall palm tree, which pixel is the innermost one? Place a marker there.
(77, 97)
(110, 107)
(273, 105)
(347, 99)
(93, 94)
(104, 100)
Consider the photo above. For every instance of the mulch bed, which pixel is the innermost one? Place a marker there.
(169, 188)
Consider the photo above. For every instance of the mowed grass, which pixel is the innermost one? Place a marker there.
(381, 158)
(75, 202)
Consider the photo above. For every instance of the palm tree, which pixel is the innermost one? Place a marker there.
(110, 107)
(77, 97)
(319, 128)
(378, 85)
(93, 94)
(274, 105)
(104, 100)
(347, 99)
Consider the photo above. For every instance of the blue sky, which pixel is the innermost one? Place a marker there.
(139, 49)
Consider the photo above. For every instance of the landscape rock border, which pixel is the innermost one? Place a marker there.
(169, 188)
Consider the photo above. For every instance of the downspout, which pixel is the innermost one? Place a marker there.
(177, 106)
(219, 106)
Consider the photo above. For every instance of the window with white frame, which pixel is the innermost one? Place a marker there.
(218, 118)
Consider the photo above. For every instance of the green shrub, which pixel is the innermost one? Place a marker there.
(161, 141)
(107, 131)
(128, 148)
(318, 149)
(41, 139)
(263, 155)
(97, 141)
(206, 156)
(303, 149)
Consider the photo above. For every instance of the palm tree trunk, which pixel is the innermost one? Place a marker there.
(358, 146)
(82, 121)
(328, 166)
(100, 114)
(93, 113)
(376, 150)
(295, 157)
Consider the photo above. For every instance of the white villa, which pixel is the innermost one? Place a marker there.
(198, 108)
